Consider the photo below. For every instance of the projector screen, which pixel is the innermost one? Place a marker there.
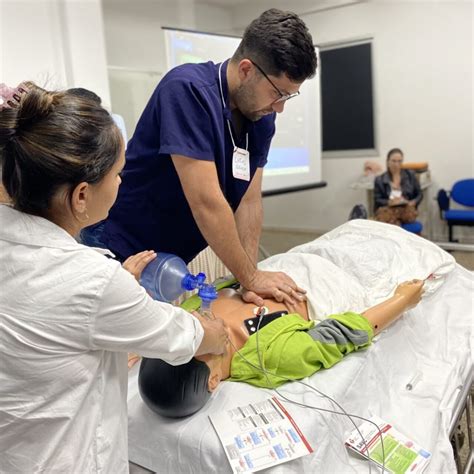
(295, 155)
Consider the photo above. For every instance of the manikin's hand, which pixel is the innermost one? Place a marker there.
(215, 336)
(411, 291)
(136, 263)
(277, 285)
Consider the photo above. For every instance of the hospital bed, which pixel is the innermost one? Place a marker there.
(352, 267)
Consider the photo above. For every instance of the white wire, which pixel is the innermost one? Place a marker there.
(342, 412)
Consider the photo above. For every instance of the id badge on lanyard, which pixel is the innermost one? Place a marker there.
(240, 156)
(241, 164)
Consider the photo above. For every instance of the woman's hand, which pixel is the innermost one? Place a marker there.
(411, 290)
(215, 336)
(132, 359)
(136, 263)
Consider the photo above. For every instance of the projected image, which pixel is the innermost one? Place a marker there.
(287, 161)
(294, 157)
(290, 152)
(185, 47)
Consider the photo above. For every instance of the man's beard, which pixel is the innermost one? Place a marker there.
(244, 98)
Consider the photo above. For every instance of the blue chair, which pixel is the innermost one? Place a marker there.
(416, 227)
(462, 193)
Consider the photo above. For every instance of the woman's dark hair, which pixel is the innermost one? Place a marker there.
(279, 42)
(393, 151)
(174, 390)
(86, 93)
(51, 139)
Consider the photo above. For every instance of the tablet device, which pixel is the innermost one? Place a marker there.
(398, 204)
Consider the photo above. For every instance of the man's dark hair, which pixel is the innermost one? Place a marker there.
(279, 42)
(174, 390)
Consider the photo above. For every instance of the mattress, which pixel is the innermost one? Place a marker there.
(352, 267)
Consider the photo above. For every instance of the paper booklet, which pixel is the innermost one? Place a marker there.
(401, 454)
(259, 435)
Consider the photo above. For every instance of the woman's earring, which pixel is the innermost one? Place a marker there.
(84, 218)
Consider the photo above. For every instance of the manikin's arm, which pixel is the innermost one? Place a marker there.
(328, 342)
(406, 295)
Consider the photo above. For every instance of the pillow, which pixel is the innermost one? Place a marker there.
(380, 256)
(329, 289)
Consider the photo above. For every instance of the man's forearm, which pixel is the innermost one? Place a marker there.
(217, 224)
(249, 217)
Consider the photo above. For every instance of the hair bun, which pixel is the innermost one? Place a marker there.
(8, 125)
(36, 105)
(20, 107)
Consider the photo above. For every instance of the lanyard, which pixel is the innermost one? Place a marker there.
(228, 121)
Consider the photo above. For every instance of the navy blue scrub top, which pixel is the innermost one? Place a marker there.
(184, 116)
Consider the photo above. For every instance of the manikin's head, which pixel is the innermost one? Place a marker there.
(181, 390)
(176, 391)
(61, 155)
(276, 55)
(394, 161)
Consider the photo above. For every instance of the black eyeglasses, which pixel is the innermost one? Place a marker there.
(283, 97)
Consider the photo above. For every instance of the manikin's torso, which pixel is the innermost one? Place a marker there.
(230, 307)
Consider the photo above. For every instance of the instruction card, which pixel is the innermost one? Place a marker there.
(259, 435)
(401, 454)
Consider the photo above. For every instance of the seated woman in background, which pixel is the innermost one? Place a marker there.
(397, 192)
(289, 346)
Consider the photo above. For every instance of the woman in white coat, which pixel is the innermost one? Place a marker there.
(68, 314)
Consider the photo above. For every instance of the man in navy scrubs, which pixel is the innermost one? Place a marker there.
(194, 164)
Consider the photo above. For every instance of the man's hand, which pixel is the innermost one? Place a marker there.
(277, 285)
(215, 336)
(136, 263)
(411, 291)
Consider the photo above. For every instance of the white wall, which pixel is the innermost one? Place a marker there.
(213, 19)
(423, 79)
(57, 43)
(134, 35)
(36, 53)
(136, 48)
(84, 35)
(133, 32)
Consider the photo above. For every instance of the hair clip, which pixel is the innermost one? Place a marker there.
(11, 97)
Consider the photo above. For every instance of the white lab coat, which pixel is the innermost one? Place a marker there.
(68, 316)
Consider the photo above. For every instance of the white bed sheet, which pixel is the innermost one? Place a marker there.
(352, 267)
